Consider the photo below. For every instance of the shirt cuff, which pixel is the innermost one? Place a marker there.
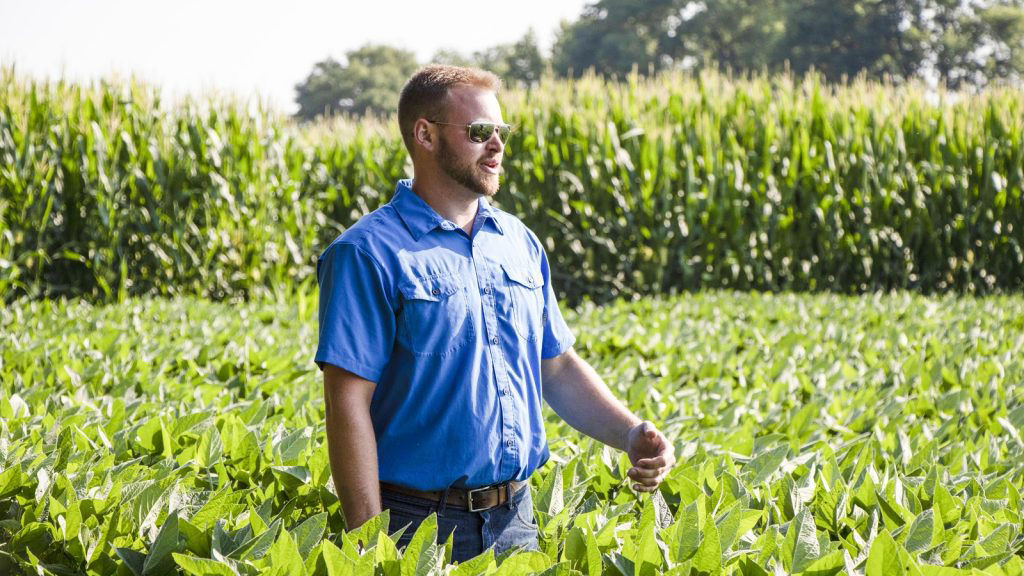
(361, 369)
(558, 347)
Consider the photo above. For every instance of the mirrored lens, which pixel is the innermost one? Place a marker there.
(481, 131)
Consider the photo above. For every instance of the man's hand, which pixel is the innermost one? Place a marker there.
(581, 398)
(651, 455)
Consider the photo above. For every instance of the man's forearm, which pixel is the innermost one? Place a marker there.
(352, 448)
(580, 397)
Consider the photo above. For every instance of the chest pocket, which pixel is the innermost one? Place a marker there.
(435, 317)
(525, 287)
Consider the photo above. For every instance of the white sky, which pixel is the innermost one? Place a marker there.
(249, 47)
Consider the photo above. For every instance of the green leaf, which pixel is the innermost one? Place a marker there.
(482, 564)
(805, 545)
(529, 562)
(369, 531)
(165, 543)
(202, 566)
(550, 496)
(292, 477)
(998, 540)
(385, 555)
(283, 558)
(422, 554)
(338, 564)
(687, 533)
(729, 525)
(895, 514)
(826, 565)
(709, 553)
(196, 541)
(11, 480)
(595, 561)
(145, 504)
(647, 557)
(929, 570)
(766, 463)
(884, 557)
(221, 505)
(947, 506)
(96, 547)
(923, 532)
(575, 547)
(133, 559)
(292, 446)
(308, 534)
(257, 546)
(210, 448)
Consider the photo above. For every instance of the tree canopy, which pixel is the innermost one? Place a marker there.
(955, 41)
(368, 82)
(958, 42)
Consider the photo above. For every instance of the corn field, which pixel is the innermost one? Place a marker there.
(659, 185)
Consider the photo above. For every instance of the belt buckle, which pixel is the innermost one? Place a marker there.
(469, 498)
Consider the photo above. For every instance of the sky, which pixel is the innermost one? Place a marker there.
(253, 48)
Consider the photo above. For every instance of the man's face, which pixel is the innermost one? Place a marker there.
(474, 165)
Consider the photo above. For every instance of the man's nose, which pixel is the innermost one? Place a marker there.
(494, 143)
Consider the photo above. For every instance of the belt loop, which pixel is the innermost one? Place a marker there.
(508, 494)
(444, 501)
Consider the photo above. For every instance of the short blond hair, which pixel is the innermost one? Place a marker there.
(425, 94)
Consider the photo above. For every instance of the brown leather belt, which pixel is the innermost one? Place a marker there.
(474, 500)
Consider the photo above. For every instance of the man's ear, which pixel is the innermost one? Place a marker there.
(423, 134)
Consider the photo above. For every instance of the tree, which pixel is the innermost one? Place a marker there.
(974, 42)
(734, 34)
(369, 82)
(613, 36)
(452, 58)
(957, 41)
(519, 62)
(846, 37)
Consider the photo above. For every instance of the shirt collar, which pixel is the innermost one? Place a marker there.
(420, 218)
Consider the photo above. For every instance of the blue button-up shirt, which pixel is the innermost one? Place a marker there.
(452, 327)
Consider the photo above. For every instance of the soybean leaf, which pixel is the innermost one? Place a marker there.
(308, 534)
(165, 543)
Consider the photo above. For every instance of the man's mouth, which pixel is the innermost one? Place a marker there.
(491, 166)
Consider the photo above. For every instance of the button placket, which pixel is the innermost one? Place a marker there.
(507, 407)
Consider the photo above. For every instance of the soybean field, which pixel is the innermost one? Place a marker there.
(816, 434)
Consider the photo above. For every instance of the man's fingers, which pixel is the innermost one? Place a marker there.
(638, 473)
(656, 462)
(652, 481)
(647, 485)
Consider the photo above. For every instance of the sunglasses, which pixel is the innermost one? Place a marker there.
(480, 132)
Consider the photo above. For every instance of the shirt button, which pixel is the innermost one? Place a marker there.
(487, 290)
(505, 391)
(494, 340)
(435, 291)
(508, 442)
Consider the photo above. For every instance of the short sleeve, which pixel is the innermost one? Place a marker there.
(356, 317)
(557, 336)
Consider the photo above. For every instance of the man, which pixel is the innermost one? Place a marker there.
(438, 327)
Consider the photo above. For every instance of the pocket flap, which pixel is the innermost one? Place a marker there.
(432, 288)
(523, 275)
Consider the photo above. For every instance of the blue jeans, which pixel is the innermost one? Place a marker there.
(503, 527)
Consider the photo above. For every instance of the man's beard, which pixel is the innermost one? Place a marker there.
(465, 173)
